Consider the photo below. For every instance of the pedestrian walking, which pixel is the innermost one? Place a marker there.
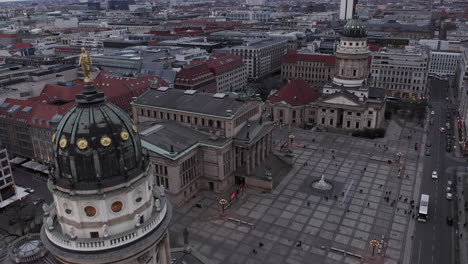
(260, 244)
(368, 204)
(308, 203)
(254, 251)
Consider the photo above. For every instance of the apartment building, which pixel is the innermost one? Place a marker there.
(402, 72)
(262, 57)
(315, 69)
(230, 72)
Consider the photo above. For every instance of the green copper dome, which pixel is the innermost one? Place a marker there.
(96, 145)
(355, 28)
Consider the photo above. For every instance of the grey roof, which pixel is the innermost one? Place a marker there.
(395, 26)
(377, 93)
(202, 103)
(165, 134)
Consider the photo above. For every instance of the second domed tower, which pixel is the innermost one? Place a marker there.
(352, 55)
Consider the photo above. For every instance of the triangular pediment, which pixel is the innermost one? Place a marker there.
(340, 100)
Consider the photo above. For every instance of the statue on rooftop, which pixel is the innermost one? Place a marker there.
(85, 63)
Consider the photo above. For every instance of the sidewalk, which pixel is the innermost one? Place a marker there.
(463, 217)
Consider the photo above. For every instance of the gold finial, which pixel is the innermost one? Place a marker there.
(85, 62)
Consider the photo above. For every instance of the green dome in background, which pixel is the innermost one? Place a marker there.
(355, 28)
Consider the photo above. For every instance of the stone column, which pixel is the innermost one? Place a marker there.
(248, 161)
(263, 146)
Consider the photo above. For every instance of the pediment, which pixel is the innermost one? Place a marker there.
(340, 100)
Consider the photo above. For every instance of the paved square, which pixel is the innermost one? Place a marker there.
(368, 201)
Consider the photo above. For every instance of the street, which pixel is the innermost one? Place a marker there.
(433, 240)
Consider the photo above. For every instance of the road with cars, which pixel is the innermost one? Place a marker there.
(433, 240)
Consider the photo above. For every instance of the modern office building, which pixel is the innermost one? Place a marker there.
(347, 9)
(7, 185)
(401, 72)
(443, 62)
(262, 57)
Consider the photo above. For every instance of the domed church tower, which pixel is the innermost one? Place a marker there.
(352, 55)
(106, 207)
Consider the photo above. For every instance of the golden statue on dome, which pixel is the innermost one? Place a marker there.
(85, 63)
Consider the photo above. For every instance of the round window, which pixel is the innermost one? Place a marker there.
(90, 211)
(138, 199)
(68, 211)
(117, 206)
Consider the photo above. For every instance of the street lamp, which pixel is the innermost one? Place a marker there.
(222, 202)
(399, 155)
(374, 243)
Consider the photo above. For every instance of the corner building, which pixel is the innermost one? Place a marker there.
(106, 208)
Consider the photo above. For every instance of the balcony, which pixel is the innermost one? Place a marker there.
(97, 244)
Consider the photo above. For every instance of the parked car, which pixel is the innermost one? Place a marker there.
(449, 220)
(448, 196)
(434, 175)
(428, 144)
(442, 130)
(427, 153)
(432, 113)
(449, 183)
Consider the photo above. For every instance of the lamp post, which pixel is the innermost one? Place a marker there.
(374, 243)
(222, 202)
(399, 155)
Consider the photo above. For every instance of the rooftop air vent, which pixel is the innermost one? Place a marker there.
(219, 95)
(163, 89)
(190, 92)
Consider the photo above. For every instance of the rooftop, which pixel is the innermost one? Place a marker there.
(201, 103)
(296, 92)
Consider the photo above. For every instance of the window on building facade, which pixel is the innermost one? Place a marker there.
(357, 124)
(348, 123)
(323, 120)
(369, 123)
(190, 168)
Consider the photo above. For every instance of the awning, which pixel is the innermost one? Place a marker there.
(30, 164)
(40, 167)
(17, 160)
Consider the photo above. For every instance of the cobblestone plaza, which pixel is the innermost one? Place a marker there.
(370, 200)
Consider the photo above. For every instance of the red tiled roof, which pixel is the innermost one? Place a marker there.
(194, 74)
(374, 47)
(39, 114)
(292, 56)
(296, 92)
(224, 64)
(211, 23)
(9, 35)
(118, 90)
(22, 45)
